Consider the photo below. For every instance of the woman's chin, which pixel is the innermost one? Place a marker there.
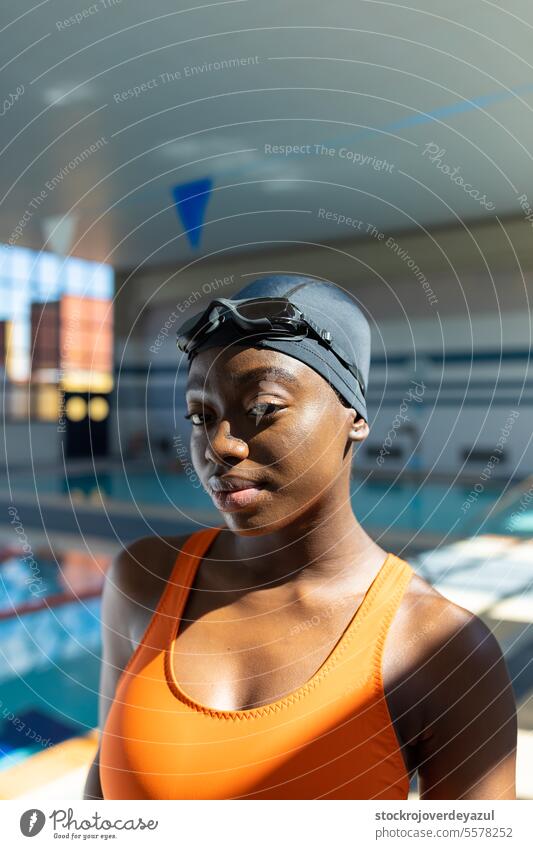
(253, 524)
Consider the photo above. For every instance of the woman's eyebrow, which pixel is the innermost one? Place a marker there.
(254, 374)
(265, 373)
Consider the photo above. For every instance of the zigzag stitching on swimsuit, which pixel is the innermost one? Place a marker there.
(404, 576)
(281, 704)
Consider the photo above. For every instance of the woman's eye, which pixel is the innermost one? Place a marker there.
(264, 410)
(260, 411)
(193, 417)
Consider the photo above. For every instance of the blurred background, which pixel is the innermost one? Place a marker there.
(156, 157)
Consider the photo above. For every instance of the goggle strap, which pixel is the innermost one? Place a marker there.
(230, 310)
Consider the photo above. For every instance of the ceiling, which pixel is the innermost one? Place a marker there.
(392, 104)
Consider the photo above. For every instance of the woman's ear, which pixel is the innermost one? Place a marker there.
(359, 429)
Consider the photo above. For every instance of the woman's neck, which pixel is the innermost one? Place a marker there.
(310, 549)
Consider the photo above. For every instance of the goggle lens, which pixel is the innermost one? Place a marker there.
(254, 310)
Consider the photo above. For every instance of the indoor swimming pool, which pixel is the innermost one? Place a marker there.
(50, 635)
(454, 509)
(49, 649)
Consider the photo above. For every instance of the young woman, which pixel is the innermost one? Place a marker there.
(284, 654)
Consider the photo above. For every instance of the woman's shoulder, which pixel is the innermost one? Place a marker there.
(147, 559)
(443, 626)
(426, 604)
(424, 608)
(447, 649)
(137, 578)
(458, 685)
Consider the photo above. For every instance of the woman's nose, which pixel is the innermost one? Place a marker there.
(224, 446)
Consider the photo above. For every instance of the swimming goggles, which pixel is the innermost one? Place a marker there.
(272, 318)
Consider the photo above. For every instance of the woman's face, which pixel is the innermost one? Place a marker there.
(275, 431)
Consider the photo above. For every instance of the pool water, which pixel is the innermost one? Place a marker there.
(47, 705)
(405, 506)
(49, 656)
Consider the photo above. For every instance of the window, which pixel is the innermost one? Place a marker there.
(56, 329)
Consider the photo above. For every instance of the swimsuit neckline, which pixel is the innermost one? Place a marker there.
(184, 589)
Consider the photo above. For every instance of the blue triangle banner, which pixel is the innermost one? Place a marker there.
(191, 200)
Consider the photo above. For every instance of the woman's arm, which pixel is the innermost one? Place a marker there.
(93, 788)
(116, 645)
(468, 747)
(136, 577)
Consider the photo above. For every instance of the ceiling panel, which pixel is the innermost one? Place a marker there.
(303, 115)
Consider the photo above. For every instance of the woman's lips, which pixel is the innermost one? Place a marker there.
(236, 499)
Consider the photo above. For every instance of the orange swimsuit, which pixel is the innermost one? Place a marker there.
(332, 738)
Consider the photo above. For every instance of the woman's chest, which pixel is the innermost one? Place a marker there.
(234, 654)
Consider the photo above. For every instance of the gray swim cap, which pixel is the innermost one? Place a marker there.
(331, 308)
